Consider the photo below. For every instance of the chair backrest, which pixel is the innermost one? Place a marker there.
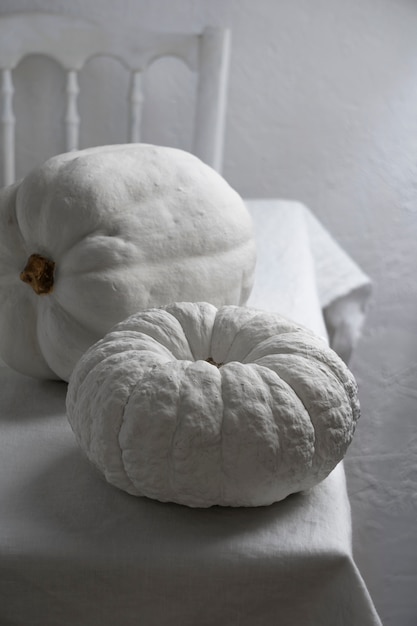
(72, 42)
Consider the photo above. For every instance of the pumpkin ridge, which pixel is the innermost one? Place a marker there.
(192, 317)
(147, 490)
(271, 416)
(122, 451)
(245, 359)
(342, 375)
(83, 435)
(235, 338)
(331, 361)
(17, 220)
(130, 352)
(71, 255)
(154, 343)
(8, 196)
(290, 334)
(46, 338)
(284, 375)
(158, 261)
(314, 454)
(88, 364)
(246, 326)
(222, 322)
(184, 332)
(185, 365)
(153, 331)
(221, 486)
(118, 448)
(28, 319)
(263, 373)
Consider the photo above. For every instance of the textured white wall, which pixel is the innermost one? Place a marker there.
(322, 108)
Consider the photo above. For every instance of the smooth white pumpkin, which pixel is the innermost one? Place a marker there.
(92, 236)
(204, 406)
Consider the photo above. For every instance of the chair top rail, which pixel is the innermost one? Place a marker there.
(71, 42)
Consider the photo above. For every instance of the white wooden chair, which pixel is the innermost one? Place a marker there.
(72, 43)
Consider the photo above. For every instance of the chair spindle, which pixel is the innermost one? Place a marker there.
(136, 99)
(72, 119)
(8, 127)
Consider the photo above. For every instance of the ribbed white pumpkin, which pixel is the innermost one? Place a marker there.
(92, 236)
(204, 406)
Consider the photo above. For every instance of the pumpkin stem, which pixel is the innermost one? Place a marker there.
(39, 274)
(213, 362)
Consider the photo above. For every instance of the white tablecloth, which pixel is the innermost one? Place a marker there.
(76, 551)
(317, 269)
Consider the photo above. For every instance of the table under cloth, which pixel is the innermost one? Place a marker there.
(76, 551)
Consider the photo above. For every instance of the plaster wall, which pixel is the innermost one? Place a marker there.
(322, 109)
